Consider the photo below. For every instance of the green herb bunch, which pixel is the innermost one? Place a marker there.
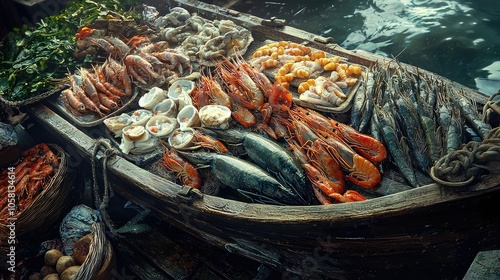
(32, 59)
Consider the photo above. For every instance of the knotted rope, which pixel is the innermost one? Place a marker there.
(491, 110)
(461, 167)
(102, 203)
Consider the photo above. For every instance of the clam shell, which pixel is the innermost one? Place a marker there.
(140, 116)
(154, 96)
(161, 126)
(176, 89)
(215, 116)
(117, 123)
(182, 139)
(188, 117)
(145, 145)
(165, 108)
(134, 132)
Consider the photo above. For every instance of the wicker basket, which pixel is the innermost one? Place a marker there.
(47, 209)
(101, 259)
(57, 88)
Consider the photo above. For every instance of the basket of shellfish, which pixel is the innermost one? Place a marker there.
(36, 193)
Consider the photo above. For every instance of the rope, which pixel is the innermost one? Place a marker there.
(462, 167)
(102, 203)
(491, 108)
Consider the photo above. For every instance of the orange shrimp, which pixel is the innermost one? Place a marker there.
(185, 171)
(280, 98)
(318, 179)
(367, 146)
(243, 116)
(209, 142)
(215, 92)
(322, 160)
(360, 170)
(349, 196)
(67, 95)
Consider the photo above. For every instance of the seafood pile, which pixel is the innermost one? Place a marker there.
(287, 148)
(201, 39)
(29, 177)
(163, 114)
(417, 118)
(323, 81)
(100, 92)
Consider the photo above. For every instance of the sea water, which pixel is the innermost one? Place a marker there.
(457, 39)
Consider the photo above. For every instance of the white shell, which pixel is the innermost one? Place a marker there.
(188, 117)
(117, 123)
(144, 145)
(165, 108)
(215, 116)
(161, 126)
(184, 100)
(176, 89)
(134, 132)
(182, 138)
(140, 116)
(154, 96)
(137, 140)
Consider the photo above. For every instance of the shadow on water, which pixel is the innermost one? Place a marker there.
(457, 39)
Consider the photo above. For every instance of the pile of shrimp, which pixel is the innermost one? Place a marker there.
(137, 62)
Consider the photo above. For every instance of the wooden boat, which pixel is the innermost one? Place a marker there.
(433, 231)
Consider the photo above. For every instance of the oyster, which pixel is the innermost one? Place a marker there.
(165, 108)
(182, 139)
(188, 117)
(179, 89)
(154, 96)
(161, 126)
(140, 117)
(117, 123)
(215, 116)
(136, 139)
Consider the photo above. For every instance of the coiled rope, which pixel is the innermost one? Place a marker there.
(462, 167)
(102, 202)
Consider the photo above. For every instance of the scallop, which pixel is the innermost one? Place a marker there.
(133, 132)
(145, 145)
(161, 126)
(215, 116)
(137, 140)
(154, 96)
(165, 108)
(182, 139)
(188, 117)
(178, 87)
(117, 123)
(140, 117)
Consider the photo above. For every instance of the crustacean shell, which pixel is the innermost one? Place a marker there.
(182, 139)
(179, 89)
(136, 139)
(154, 96)
(188, 117)
(165, 108)
(117, 123)
(161, 126)
(140, 117)
(215, 116)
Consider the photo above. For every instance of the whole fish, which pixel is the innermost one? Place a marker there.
(272, 157)
(245, 177)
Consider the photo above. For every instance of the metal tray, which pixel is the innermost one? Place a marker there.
(91, 119)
